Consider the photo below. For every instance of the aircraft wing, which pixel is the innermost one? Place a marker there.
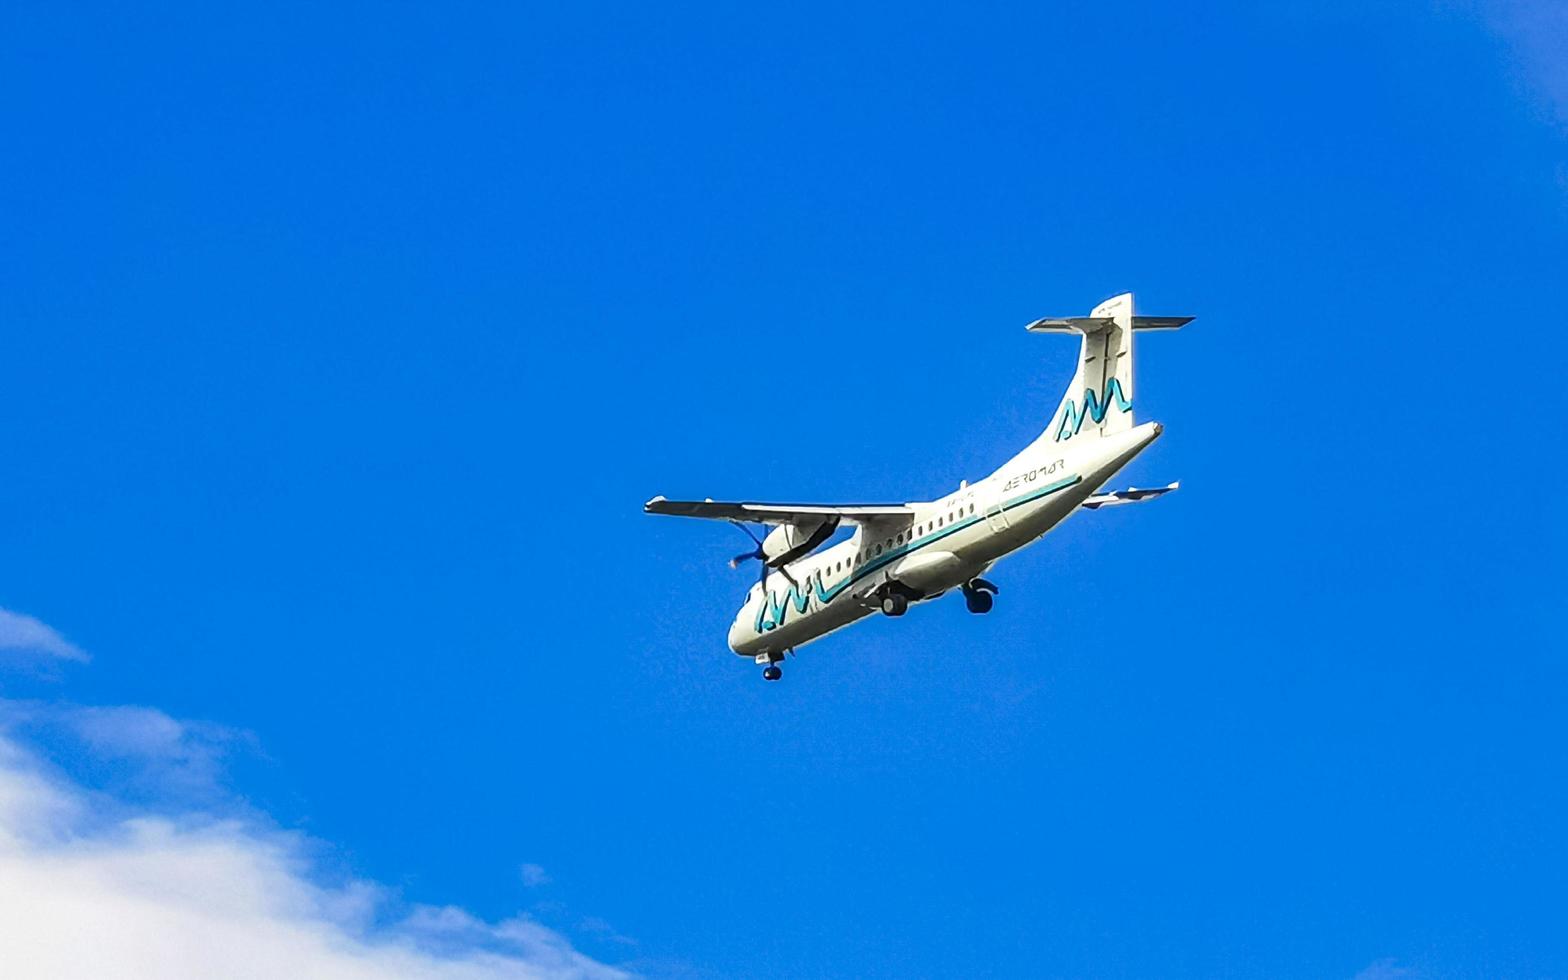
(801, 514)
(1131, 495)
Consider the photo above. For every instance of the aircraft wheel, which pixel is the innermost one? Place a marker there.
(979, 602)
(894, 604)
(771, 673)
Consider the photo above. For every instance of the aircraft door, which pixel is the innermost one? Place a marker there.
(996, 517)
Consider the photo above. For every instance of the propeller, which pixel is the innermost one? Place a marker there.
(761, 555)
(756, 552)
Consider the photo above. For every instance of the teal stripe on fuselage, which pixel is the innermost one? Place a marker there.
(794, 596)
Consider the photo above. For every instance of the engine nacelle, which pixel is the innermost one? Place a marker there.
(788, 542)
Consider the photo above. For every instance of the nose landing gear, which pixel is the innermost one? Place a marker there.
(772, 671)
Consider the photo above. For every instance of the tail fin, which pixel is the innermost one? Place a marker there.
(1099, 400)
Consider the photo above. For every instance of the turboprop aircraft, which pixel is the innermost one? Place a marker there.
(907, 553)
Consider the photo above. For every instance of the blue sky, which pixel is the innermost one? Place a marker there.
(343, 344)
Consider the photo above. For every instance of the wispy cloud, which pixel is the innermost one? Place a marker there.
(1537, 31)
(1385, 969)
(599, 927)
(20, 633)
(145, 749)
(533, 875)
(94, 884)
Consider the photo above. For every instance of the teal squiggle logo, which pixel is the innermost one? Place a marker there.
(772, 609)
(1093, 407)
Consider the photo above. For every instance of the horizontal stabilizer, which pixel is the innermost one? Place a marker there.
(1131, 495)
(1089, 324)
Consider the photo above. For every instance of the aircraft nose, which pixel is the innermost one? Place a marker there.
(743, 639)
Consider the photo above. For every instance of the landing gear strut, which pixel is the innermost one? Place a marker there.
(977, 596)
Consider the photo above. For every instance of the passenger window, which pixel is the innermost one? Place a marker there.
(939, 522)
(879, 549)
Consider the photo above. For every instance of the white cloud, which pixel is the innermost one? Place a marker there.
(188, 895)
(93, 884)
(533, 875)
(21, 633)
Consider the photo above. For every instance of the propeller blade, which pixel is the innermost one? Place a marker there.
(756, 552)
(745, 556)
(761, 555)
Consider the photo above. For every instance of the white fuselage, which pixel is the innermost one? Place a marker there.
(946, 544)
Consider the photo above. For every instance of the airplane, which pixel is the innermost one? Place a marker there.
(900, 554)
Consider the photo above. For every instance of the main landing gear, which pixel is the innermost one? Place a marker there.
(895, 604)
(894, 598)
(977, 595)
